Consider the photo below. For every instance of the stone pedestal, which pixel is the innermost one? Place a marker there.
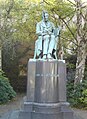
(46, 91)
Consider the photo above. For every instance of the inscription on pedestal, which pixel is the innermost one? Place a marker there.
(47, 75)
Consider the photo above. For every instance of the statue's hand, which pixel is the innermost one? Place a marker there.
(48, 31)
(44, 33)
(60, 28)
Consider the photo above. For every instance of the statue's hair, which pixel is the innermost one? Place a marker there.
(43, 13)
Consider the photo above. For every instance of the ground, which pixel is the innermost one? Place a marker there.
(15, 104)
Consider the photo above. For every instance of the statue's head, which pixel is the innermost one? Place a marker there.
(45, 16)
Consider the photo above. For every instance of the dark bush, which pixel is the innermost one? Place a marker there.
(77, 95)
(6, 91)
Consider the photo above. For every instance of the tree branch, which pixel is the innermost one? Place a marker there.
(9, 7)
(71, 2)
(70, 41)
(69, 28)
(85, 29)
(47, 2)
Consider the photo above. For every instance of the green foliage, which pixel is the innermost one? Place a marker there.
(18, 21)
(64, 9)
(83, 99)
(71, 65)
(6, 91)
(77, 95)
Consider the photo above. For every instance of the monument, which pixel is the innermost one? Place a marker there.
(46, 44)
(46, 84)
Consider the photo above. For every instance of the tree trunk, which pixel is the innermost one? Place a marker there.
(0, 59)
(80, 64)
(81, 50)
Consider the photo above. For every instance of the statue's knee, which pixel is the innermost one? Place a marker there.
(52, 36)
(46, 36)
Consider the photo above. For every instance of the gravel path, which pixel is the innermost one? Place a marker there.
(81, 113)
(13, 105)
(16, 103)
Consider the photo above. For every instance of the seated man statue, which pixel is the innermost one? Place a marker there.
(46, 45)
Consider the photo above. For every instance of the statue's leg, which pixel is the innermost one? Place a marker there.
(51, 46)
(38, 48)
(45, 46)
(55, 48)
(55, 54)
(35, 52)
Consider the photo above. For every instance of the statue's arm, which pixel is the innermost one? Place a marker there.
(50, 30)
(53, 27)
(38, 30)
(59, 29)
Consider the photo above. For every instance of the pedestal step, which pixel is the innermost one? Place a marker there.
(46, 111)
(38, 115)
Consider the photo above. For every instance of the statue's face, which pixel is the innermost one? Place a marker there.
(46, 17)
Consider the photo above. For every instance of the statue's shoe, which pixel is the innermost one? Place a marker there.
(49, 56)
(44, 57)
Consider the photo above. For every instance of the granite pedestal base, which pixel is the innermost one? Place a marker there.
(46, 91)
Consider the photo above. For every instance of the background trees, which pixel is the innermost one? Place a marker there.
(72, 17)
(81, 40)
(18, 20)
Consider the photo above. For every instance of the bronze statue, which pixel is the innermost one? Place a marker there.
(46, 44)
